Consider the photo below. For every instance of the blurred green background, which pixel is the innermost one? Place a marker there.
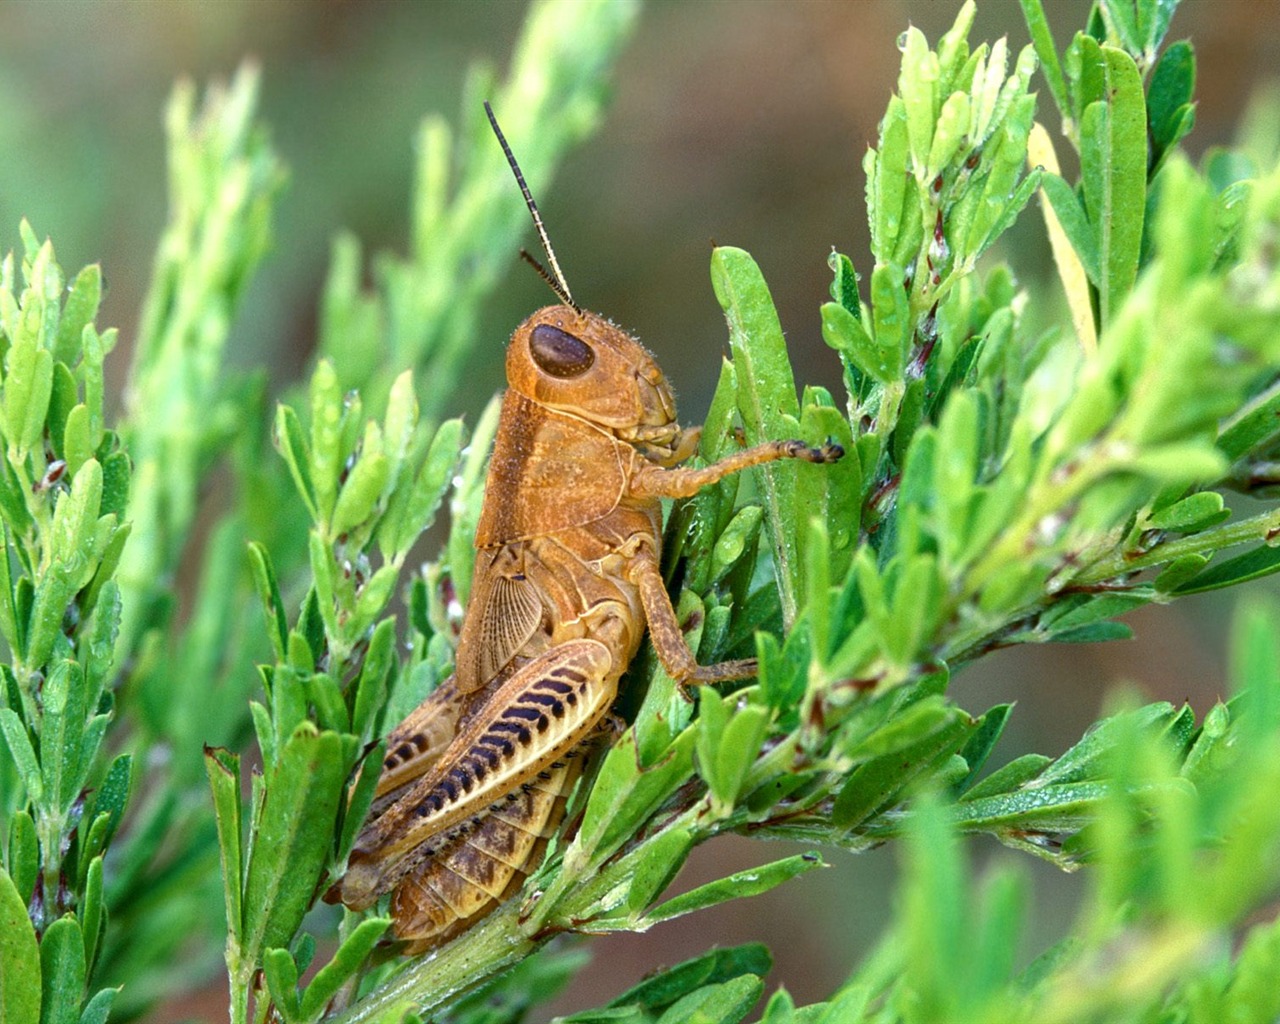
(739, 122)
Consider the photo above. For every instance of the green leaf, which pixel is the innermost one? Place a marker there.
(729, 742)
(890, 196)
(1252, 426)
(917, 84)
(467, 496)
(1252, 565)
(1179, 464)
(223, 768)
(324, 581)
(891, 316)
(288, 705)
(877, 783)
(349, 958)
(1192, 514)
(750, 882)
(115, 489)
(361, 798)
(325, 696)
(77, 312)
(23, 754)
(1178, 572)
(400, 420)
(1086, 609)
(1086, 67)
(92, 911)
(625, 793)
(113, 792)
(1114, 167)
(1172, 89)
(62, 972)
(844, 287)
(327, 422)
(1060, 806)
(735, 539)
(62, 400)
(24, 854)
(28, 386)
(372, 600)
(20, 971)
(61, 733)
(976, 751)
(360, 492)
(292, 443)
(781, 1009)
(371, 688)
(726, 1003)
(844, 333)
(431, 482)
(264, 576)
(292, 837)
(739, 746)
(97, 1009)
(907, 726)
(1075, 223)
(766, 399)
(712, 968)
(660, 858)
(13, 505)
(1047, 52)
(1255, 669)
(282, 982)
(1096, 633)
(950, 132)
(1124, 22)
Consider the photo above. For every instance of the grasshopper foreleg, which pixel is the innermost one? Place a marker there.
(655, 482)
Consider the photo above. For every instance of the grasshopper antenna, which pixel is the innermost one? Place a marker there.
(554, 278)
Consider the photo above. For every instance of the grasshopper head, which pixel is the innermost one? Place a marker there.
(579, 363)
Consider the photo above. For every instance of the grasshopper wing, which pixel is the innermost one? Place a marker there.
(504, 613)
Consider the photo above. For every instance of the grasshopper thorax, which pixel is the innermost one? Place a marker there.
(576, 362)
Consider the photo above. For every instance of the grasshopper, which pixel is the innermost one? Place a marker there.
(566, 578)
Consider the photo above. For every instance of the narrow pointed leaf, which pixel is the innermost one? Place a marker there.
(751, 882)
(62, 972)
(19, 958)
(292, 838)
(350, 956)
(223, 768)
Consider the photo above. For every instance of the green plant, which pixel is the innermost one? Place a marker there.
(1005, 483)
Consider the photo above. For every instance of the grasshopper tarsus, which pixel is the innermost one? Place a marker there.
(828, 451)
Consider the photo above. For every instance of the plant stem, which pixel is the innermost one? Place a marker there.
(1259, 527)
(491, 947)
(1042, 501)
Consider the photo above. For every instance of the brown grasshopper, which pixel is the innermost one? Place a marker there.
(566, 577)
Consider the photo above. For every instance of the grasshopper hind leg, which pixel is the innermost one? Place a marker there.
(485, 866)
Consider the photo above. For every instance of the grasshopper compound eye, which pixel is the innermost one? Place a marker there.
(559, 353)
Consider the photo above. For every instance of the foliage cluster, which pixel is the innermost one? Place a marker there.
(1004, 484)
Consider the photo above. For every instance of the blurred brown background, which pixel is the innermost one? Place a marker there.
(743, 122)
